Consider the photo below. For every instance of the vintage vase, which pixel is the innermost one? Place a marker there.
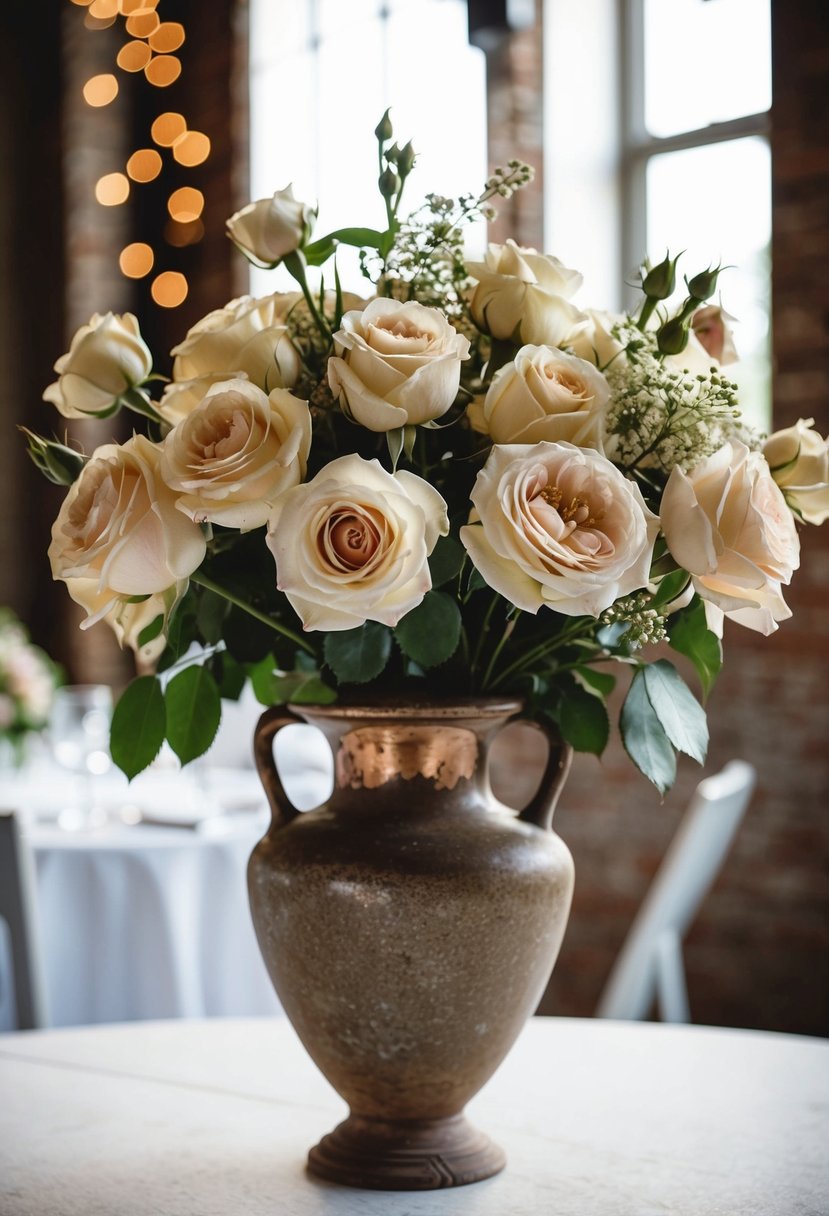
(409, 926)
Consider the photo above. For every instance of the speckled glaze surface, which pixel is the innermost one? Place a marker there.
(409, 926)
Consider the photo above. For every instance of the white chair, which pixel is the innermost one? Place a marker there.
(650, 963)
(17, 910)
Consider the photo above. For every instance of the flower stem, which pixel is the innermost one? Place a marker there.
(294, 263)
(297, 639)
(537, 652)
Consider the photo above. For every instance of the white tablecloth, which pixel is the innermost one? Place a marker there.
(151, 921)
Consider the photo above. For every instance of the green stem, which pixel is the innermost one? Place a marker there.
(482, 635)
(297, 639)
(647, 311)
(538, 652)
(497, 651)
(294, 263)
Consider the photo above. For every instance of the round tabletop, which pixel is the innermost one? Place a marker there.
(597, 1118)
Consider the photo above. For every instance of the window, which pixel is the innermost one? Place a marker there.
(696, 161)
(323, 72)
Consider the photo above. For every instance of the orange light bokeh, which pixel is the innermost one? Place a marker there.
(144, 165)
(167, 37)
(167, 128)
(112, 189)
(180, 235)
(143, 22)
(192, 149)
(136, 260)
(134, 56)
(162, 70)
(169, 289)
(104, 9)
(128, 7)
(100, 90)
(185, 204)
(97, 23)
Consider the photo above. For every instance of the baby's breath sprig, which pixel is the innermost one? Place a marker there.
(646, 625)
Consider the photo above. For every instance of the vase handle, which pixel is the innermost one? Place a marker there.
(271, 722)
(539, 810)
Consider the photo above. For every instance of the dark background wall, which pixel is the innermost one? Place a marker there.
(758, 953)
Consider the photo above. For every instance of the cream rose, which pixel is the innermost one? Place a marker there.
(799, 461)
(727, 524)
(128, 620)
(247, 337)
(352, 544)
(710, 328)
(524, 296)
(558, 526)
(396, 364)
(546, 394)
(118, 533)
(180, 397)
(272, 227)
(593, 339)
(105, 359)
(236, 452)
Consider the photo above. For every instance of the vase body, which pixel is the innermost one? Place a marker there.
(409, 926)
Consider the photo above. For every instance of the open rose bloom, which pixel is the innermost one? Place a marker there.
(465, 480)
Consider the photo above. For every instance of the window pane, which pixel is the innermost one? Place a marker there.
(715, 203)
(705, 61)
(319, 89)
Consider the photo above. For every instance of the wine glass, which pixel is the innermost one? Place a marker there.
(79, 736)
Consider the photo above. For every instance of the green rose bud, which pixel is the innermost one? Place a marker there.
(388, 183)
(659, 283)
(60, 464)
(702, 286)
(384, 129)
(672, 337)
(406, 160)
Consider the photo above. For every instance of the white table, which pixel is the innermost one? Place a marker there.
(597, 1118)
(152, 920)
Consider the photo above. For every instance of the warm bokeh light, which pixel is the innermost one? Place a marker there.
(136, 260)
(100, 90)
(128, 7)
(183, 234)
(134, 56)
(143, 22)
(82, 3)
(144, 165)
(112, 189)
(168, 37)
(167, 128)
(97, 23)
(169, 289)
(104, 9)
(163, 70)
(185, 204)
(192, 148)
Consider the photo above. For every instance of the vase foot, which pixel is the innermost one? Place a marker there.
(405, 1155)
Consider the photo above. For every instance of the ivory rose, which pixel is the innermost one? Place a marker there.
(236, 452)
(180, 397)
(396, 364)
(248, 337)
(352, 544)
(710, 328)
(524, 296)
(727, 524)
(558, 526)
(129, 619)
(546, 394)
(105, 359)
(272, 227)
(118, 533)
(593, 339)
(799, 461)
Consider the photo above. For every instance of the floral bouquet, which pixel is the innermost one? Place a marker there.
(462, 484)
(28, 678)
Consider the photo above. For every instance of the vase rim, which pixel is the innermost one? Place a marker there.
(457, 708)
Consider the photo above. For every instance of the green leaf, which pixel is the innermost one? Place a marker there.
(670, 586)
(688, 634)
(151, 631)
(682, 717)
(611, 636)
(302, 689)
(362, 238)
(645, 741)
(138, 725)
(194, 710)
(229, 675)
(358, 655)
(446, 560)
(394, 442)
(263, 679)
(600, 682)
(181, 633)
(476, 581)
(582, 718)
(430, 633)
(210, 616)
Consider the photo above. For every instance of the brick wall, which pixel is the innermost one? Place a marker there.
(758, 954)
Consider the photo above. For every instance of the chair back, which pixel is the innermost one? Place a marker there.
(17, 909)
(650, 963)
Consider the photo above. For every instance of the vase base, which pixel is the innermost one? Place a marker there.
(405, 1155)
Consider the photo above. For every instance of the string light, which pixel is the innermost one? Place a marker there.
(168, 37)
(162, 70)
(169, 289)
(167, 128)
(180, 235)
(143, 22)
(136, 260)
(191, 149)
(134, 56)
(112, 189)
(144, 165)
(100, 90)
(185, 204)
